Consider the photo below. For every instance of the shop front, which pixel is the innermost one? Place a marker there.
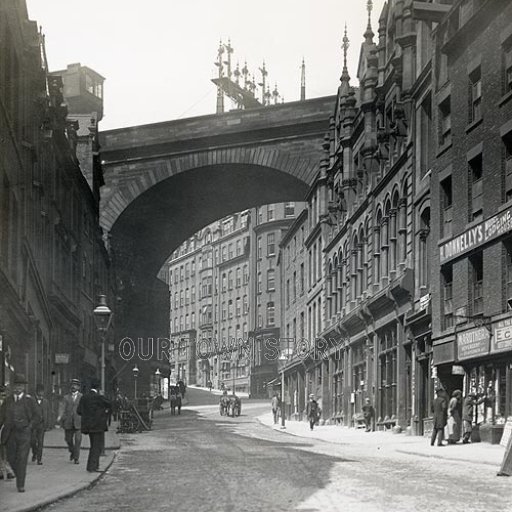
(482, 364)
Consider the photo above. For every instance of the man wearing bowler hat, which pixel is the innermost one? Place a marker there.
(70, 421)
(42, 426)
(94, 410)
(18, 414)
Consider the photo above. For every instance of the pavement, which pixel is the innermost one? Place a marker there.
(57, 478)
(478, 453)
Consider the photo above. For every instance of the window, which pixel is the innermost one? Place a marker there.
(230, 280)
(193, 293)
(245, 305)
(476, 189)
(260, 252)
(271, 244)
(223, 311)
(193, 267)
(187, 271)
(224, 282)
(287, 292)
(271, 279)
(294, 286)
(238, 247)
(507, 166)
(260, 316)
(207, 287)
(238, 310)
(425, 131)
(271, 314)
(230, 251)
(176, 303)
(224, 253)
(301, 287)
(508, 271)
(289, 209)
(187, 297)
(260, 215)
(507, 62)
(424, 241)
(447, 305)
(192, 320)
(270, 212)
(475, 96)
(446, 207)
(238, 277)
(445, 117)
(476, 271)
(246, 274)
(181, 298)
(230, 308)
(260, 287)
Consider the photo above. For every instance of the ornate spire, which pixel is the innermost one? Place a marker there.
(369, 32)
(345, 77)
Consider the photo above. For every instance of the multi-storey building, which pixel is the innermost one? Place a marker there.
(52, 254)
(208, 279)
(270, 223)
(368, 237)
(471, 208)
(221, 317)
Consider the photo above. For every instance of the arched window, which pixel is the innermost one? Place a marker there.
(393, 232)
(377, 247)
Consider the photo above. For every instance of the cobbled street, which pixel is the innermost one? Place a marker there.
(200, 461)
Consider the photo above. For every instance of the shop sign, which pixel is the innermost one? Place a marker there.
(473, 343)
(495, 226)
(502, 338)
(458, 370)
(61, 358)
(507, 431)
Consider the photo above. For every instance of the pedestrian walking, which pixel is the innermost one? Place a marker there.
(312, 411)
(454, 417)
(94, 410)
(6, 472)
(18, 414)
(44, 424)
(440, 413)
(70, 421)
(275, 407)
(468, 413)
(368, 414)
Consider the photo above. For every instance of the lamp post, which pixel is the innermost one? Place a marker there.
(102, 318)
(135, 371)
(283, 358)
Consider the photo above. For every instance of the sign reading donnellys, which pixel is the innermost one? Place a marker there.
(480, 234)
(473, 343)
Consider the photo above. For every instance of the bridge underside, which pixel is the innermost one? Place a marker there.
(161, 218)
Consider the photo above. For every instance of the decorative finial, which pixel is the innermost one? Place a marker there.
(345, 47)
(369, 32)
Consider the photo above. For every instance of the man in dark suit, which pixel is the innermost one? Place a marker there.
(18, 414)
(440, 412)
(44, 424)
(94, 410)
(70, 421)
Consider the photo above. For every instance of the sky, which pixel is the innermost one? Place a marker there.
(158, 56)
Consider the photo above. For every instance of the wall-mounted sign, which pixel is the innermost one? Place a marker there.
(458, 370)
(473, 343)
(425, 301)
(61, 358)
(480, 234)
(502, 336)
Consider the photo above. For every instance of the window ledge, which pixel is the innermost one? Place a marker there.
(474, 124)
(443, 148)
(505, 98)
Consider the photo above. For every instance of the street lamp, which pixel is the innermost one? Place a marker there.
(158, 376)
(135, 371)
(102, 318)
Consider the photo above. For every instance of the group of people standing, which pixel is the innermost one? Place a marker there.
(24, 419)
(454, 417)
(313, 411)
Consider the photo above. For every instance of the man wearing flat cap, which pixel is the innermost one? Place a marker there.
(18, 415)
(94, 410)
(70, 420)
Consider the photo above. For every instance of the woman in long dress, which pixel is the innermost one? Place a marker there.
(454, 417)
